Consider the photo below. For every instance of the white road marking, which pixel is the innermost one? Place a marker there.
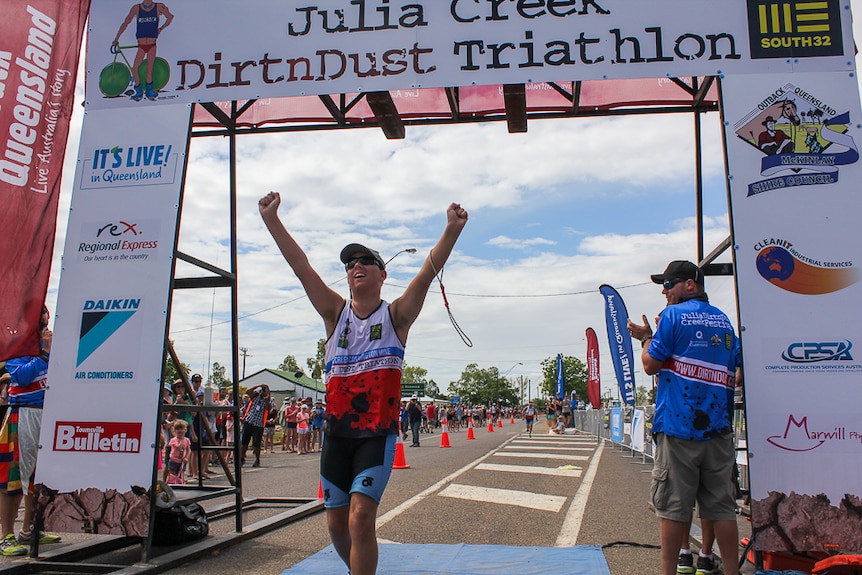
(399, 509)
(558, 456)
(568, 536)
(530, 469)
(537, 501)
(560, 443)
(546, 448)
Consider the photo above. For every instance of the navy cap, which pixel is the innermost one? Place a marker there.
(350, 250)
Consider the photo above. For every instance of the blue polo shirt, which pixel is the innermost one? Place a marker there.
(29, 376)
(700, 353)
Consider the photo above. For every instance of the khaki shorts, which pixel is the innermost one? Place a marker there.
(688, 471)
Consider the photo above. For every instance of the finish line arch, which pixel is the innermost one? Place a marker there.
(392, 67)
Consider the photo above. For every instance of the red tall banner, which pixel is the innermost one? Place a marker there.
(39, 45)
(594, 388)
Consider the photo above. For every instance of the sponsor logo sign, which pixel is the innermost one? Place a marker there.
(135, 165)
(802, 139)
(799, 436)
(780, 263)
(811, 357)
(97, 437)
(794, 28)
(100, 320)
(122, 239)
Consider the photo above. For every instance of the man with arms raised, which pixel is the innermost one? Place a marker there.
(695, 353)
(364, 356)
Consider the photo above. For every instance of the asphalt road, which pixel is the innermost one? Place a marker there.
(501, 488)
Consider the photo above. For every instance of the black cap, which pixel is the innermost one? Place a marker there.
(350, 250)
(679, 270)
(197, 376)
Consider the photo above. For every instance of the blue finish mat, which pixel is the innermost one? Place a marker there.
(462, 559)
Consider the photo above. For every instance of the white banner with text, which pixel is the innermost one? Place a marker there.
(218, 50)
(99, 424)
(794, 169)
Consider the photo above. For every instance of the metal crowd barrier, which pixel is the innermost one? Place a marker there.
(616, 425)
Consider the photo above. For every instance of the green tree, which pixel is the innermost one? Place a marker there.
(484, 387)
(416, 374)
(432, 389)
(574, 376)
(317, 365)
(218, 377)
(171, 372)
(289, 364)
(644, 397)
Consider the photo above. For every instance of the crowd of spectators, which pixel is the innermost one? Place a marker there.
(297, 425)
(298, 421)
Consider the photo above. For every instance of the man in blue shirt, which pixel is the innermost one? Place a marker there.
(694, 353)
(23, 381)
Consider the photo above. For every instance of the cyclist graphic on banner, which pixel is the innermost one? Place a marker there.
(114, 79)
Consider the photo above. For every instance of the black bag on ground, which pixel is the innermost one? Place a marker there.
(180, 524)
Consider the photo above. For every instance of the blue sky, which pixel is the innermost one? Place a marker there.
(554, 213)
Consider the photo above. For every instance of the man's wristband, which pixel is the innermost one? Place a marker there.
(645, 339)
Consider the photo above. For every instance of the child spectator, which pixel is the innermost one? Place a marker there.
(302, 429)
(180, 447)
(317, 416)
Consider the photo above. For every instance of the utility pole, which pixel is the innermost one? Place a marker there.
(245, 354)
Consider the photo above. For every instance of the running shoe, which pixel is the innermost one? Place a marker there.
(706, 565)
(139, 93)
(151, 93)
(685, 564)
(44, 538)
(10, 547)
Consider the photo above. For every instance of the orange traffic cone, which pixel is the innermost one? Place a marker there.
(444, 434)
(490, 427)
(470, 434)
(500, 422)
(320, 490)
(400, 461)
(513, 420)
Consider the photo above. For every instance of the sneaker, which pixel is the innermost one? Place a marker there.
(706, 565)
(151, 93)
(139, 93)
(10, 547)
(256, 463)
(44, 538)
(685, 563)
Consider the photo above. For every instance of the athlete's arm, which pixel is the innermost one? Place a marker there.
(163, 10)
(125, 23)
(325, 300)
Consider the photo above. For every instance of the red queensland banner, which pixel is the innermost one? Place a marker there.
(39, 45)
(594, 388)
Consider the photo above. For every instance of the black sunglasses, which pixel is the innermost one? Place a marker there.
(668, 284)
(364, 260)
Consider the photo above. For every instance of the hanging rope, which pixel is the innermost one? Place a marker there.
(439, 275)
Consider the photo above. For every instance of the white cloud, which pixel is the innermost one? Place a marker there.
(519, 244)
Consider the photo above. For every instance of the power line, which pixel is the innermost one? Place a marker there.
(486, 296)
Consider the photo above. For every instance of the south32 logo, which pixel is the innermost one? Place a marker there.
(794, 28)
(801, 138)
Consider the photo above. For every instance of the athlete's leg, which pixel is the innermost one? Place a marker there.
(139, 57)
(363, 537)
(339, 531)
